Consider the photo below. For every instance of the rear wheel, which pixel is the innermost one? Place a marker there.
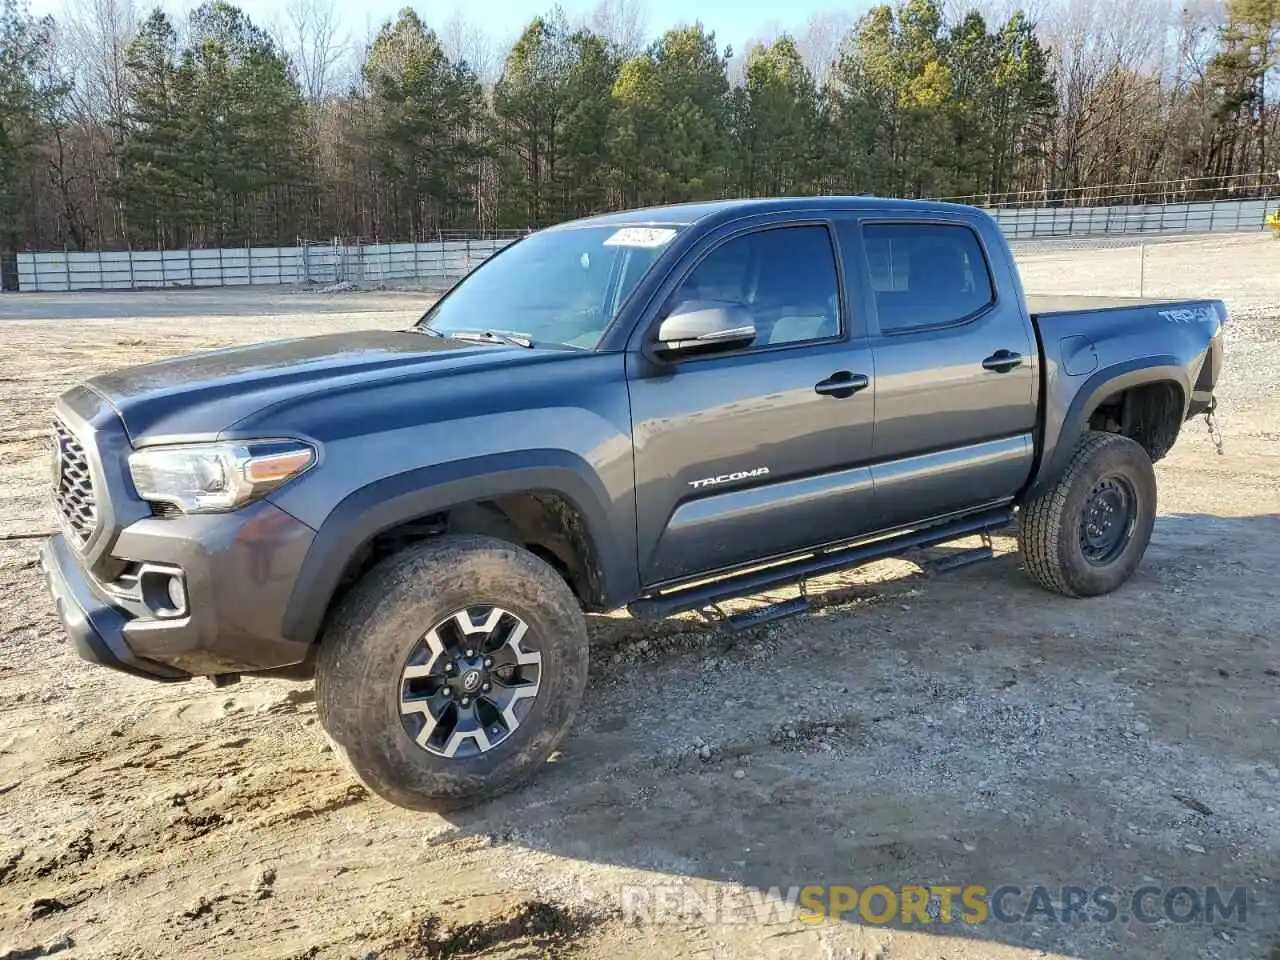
(1087, 534)
(451, 671)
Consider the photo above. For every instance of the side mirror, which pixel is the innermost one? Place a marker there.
(696, 327)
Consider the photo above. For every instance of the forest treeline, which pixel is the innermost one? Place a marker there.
(121, 127)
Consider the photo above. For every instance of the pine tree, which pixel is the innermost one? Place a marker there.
(529, 104)
(29, 97)
(215, 140)
(776, 123)
(671, 141)
(426, 112)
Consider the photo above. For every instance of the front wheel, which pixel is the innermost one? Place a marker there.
(451, 671)
(1086, 535)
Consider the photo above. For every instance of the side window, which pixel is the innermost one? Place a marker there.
(786, 278)
(924, 274)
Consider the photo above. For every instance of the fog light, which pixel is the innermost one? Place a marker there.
(177, 596)
(163, 590)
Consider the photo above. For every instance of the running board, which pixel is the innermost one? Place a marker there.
(819, 564)
(775, 611)
(961, 559)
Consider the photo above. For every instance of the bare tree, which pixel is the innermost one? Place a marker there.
(317, 45)
(1109, 58)
(467, 41)
(999, 11)
(766, 36)
(624, 23)
(821, 40)
(92, 42)
(94, 37)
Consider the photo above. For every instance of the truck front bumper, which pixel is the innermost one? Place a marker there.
(96, 628)
(237, 572)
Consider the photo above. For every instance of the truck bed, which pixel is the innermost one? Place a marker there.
(1087, 335)
(1039, 305)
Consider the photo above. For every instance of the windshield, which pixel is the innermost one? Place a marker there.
(558, 286)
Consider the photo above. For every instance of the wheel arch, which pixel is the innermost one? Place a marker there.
(550, 499)
(1152, 393)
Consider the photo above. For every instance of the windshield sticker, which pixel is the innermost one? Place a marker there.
(647, 237)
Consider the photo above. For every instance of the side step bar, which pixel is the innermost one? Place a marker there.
(775, 611)
(820, 564)
(961, 559)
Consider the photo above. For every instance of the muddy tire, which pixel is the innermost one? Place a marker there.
(451, 671)
(1086, 535)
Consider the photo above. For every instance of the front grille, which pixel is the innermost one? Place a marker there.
(73, 485)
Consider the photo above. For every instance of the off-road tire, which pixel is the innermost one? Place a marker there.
(376, 626)
(1049, 534)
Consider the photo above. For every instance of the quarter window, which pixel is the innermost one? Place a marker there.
(926, 274)
(786, 278)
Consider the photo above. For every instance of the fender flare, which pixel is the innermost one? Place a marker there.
(1090, 394)
(393, 500)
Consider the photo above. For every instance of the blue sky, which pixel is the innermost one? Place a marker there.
(735, 21)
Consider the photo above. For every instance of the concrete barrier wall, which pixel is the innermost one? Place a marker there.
(1025, 223)
(242, 266)
(451, 259)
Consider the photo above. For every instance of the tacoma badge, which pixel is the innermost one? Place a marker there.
(729, 477)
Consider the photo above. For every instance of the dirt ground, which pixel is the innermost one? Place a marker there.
(967, 729)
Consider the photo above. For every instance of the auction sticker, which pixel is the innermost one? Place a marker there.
(641, 237)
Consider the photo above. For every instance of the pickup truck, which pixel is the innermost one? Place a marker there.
(658, 409)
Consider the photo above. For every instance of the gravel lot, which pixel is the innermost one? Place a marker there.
(969, 729)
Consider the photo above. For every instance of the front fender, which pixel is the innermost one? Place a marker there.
(395, 499)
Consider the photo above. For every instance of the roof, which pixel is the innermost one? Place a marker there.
(690, 213)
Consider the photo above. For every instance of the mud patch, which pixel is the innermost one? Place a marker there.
(536, 927)
(77, 851)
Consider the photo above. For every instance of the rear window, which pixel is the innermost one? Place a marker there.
(926, 274)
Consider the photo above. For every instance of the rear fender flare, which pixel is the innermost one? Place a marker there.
(1088, 397)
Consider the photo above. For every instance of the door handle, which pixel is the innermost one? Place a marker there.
(842, 384)
(1002, 361)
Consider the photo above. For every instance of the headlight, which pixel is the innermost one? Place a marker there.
(217, 477)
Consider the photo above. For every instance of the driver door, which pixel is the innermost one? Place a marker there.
(758, 451)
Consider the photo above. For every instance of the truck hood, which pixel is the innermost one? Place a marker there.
(197, 396)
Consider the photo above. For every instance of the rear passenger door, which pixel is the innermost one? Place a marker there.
(955, 364)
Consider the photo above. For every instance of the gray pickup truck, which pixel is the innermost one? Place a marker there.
(660, 410)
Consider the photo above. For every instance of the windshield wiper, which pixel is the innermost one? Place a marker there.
(493, 336)
(489, 336)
